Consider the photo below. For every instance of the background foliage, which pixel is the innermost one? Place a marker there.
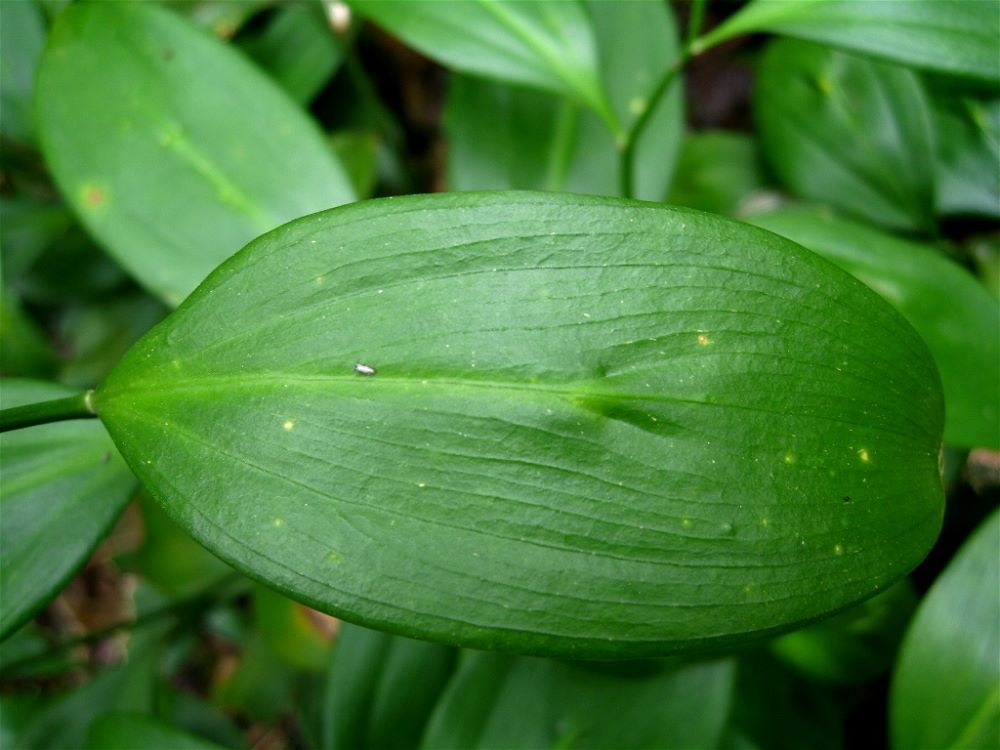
(145, 143)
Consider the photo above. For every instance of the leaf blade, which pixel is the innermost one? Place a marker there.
(626, 438)
(548, 45)
(218, 169)
(849, 131)
(945, 304)
(953, 37)
(943, 651)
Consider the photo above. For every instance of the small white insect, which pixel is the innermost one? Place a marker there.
(364, 369)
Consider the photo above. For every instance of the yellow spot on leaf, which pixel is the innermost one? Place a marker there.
(838, 549)
(703, 340)
(789, 458)
(863, 455)
(278, 522)
(289, 425)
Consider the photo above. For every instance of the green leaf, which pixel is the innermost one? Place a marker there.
(287, 628)
(359, 153)
(847, 130)
(776, 709)
(381, 689)
(224, 154)
(298, 48)
(856, 645)
(170, 559)
(132, 731)
(968, 155)
(946, 688)
(596, 427)
(502, 136)
(27, 229)
(22, 37)
(95, 335)
(717, 171)
(24, 348)
(954, 314)
(508, 703)
(550, 46)
(64, 722)
(63, 486)
(950, 36)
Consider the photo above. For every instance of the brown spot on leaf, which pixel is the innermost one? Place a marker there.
(93, 196)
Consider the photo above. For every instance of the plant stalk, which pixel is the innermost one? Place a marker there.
(627, 153)
(79, 406)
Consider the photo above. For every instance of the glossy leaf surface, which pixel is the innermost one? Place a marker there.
(502, 136)
(595, 426)
(953, 649)
(954, 314)
(950, 36)
(225, 154)
(500, 702)
(544, 45)
(849, 131)
(63, 486)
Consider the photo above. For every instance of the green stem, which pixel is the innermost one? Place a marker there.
(695, 21)
(79, 406)
(562, 145)
(627, 153)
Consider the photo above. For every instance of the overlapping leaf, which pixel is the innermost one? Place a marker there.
(950, 36)
(951, 650)
(953, 313)
(502, 136)
(545, 45)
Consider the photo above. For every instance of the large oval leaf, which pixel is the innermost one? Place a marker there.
(63, 486)
(596, 426)
(850, 131)
(951, 36)
(508, 137)
(545, 45)
(184, 152)
(953, 649)
(955, 314)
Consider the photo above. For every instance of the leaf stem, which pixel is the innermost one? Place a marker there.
(79, 406)
(629, 144)
(695, 20)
